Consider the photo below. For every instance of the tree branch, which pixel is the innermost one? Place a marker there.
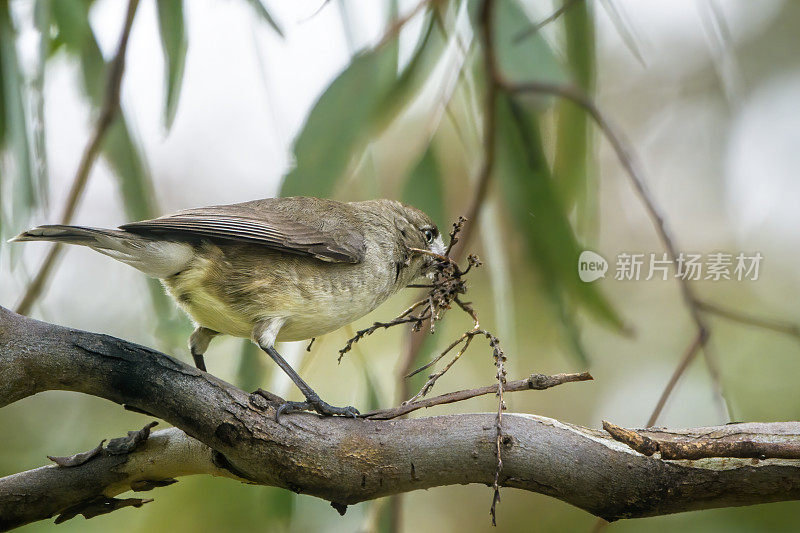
(50, 490)
(225, 431)
(785, 327)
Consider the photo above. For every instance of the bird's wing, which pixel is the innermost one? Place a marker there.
(324, 229)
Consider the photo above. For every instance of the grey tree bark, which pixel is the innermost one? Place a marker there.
(224, 431)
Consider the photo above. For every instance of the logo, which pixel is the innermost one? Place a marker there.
(591, 266)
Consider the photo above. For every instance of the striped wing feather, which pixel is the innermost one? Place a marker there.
(324, 229)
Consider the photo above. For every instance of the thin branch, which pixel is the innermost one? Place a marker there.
(394, 29)
(107, 115)
(524, 34)
(631, 167)
(780, 326)
(481, 186)
(534, 382)
(688, 357)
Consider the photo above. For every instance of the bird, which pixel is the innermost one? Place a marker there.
(275, 269)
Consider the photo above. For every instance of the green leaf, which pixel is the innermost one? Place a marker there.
(423, 189)
(573, 154)
(371, 381)
(15, 127)
(41, 20)
(71, 19)
(339, 123)
(537, 210)
(429, 348)
(427, 52)
(360, 102)
(126, 161)
(566, 318)
(2, 116)
(74, 34)
(174, 45)
(526, 60)
(262, 12)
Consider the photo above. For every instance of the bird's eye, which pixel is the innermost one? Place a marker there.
(428, 234)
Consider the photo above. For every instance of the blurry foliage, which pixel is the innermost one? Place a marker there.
(424, 189)
(14, 134)
(572, 164)
(174, 44)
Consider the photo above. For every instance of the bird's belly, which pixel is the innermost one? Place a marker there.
(308, 308)
(327, 313)
(204, 307)
(214, 314)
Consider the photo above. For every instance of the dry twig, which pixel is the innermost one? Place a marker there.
(445, 289)
(533, 382)
(785, 327)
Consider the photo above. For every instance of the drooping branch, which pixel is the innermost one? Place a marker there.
(630, 164)
(221, 430)
(109, 111)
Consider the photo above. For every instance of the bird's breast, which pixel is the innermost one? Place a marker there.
(232, 290)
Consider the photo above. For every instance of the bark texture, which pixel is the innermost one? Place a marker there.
(222, 430)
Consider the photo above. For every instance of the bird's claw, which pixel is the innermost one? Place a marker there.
(317, 405)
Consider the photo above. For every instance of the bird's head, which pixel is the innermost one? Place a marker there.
(416, 231)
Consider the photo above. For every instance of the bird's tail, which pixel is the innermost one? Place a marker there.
(92, 237)
(157, 258)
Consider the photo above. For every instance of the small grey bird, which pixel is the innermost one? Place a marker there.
(278, 269)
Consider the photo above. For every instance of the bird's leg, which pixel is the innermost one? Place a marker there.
(198, 344)
(313, 401)
(265, 337)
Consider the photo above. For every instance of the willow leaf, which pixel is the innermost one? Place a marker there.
(171, 27)
(538, 212)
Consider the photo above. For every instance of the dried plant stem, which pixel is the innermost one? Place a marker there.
(533, 382)
(688, 357)
(466, 338)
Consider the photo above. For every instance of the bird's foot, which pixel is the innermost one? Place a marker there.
(317, 405)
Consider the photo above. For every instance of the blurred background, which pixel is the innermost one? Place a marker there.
(231, 100)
